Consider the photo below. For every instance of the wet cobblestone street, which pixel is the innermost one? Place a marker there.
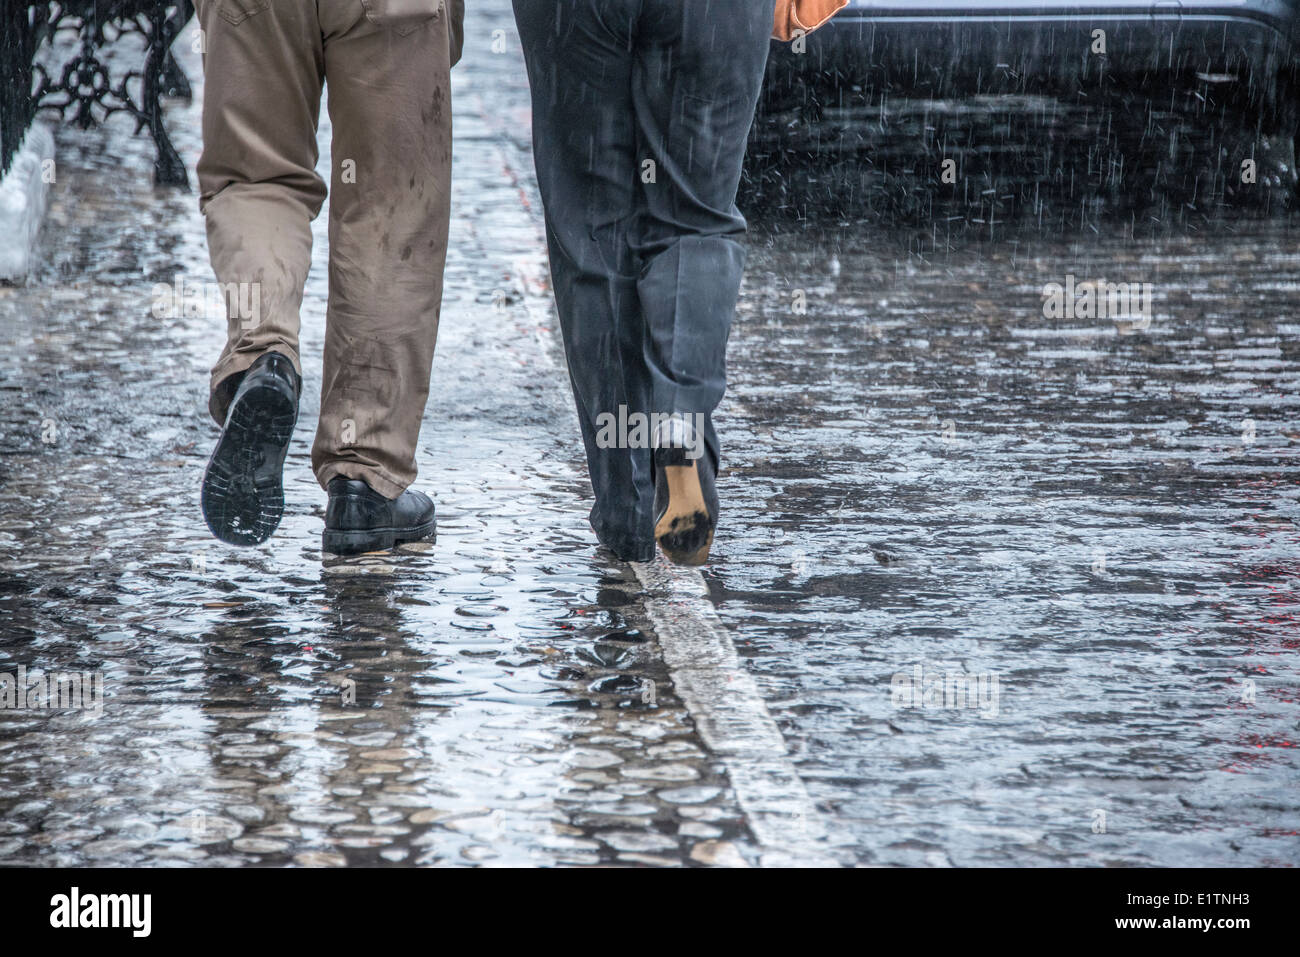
(920, 471)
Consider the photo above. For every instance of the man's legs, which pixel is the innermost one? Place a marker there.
(258, 187)
(584, 144)
(699, 68)
(390, 105)
(698, 74)
(259, 191)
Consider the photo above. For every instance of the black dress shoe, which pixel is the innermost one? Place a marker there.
(359, 519)
(243, 488)
(686, 503)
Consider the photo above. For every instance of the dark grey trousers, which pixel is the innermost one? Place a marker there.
(641, 112)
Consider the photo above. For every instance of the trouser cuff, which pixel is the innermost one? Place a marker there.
(384, 484)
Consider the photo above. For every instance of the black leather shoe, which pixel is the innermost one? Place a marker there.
(686, 503)
(359, 519)
(243, 488)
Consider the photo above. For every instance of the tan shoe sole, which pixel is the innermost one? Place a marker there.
(686, 515)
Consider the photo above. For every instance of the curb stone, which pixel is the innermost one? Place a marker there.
(23, 199)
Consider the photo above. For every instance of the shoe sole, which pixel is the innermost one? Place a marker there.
(684, 531)
(375, 539)
(243, 488)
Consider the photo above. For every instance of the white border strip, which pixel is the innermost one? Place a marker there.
(731, 716)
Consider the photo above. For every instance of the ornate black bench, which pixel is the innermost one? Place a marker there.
(81, 88)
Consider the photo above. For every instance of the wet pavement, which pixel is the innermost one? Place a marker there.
(922, 471)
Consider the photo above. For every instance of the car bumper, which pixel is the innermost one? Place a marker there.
(942, 49)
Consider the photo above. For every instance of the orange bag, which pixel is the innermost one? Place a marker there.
(793, 16)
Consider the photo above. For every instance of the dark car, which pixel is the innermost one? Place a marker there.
(1011, 45)
(1216, 60)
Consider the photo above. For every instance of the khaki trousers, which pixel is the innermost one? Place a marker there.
(387, 63)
